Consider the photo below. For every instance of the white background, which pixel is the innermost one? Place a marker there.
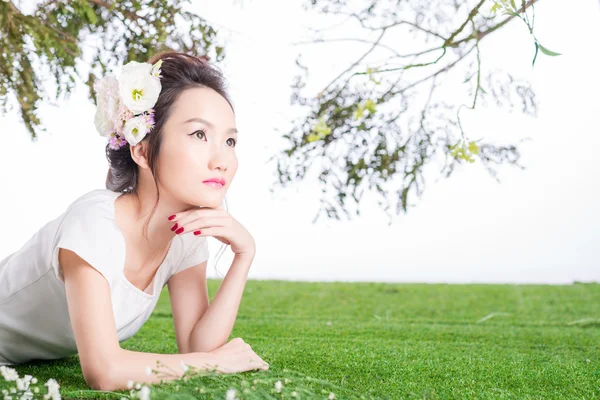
(540, 225)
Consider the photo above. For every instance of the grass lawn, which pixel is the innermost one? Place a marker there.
(388, 341)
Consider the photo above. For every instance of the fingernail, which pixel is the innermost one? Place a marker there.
(197, 232)
(178, 231)
(174, 227)
(172, 217)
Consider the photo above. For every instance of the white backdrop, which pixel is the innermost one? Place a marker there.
(541, 225)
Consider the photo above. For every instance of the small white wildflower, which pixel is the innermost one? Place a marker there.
(4, 392)
(36, 390)
(26, 395)
(294, 394)
(10, 374)
(156, 69)
(286, 381)
(129, 384)
(230, 395)
(7, 397)
(145, 393)
(331, 396)
(185, 367)
(148, 371)
(13, 390)
(34, 381)
(53, 387)
(138, 386)
(278, 386)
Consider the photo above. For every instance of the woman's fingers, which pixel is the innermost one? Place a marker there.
(190, 225)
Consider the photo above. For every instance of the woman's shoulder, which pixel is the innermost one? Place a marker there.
(94, 200)
(91, 213)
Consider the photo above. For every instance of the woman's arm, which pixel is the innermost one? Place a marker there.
(215, 325)
(104, 364)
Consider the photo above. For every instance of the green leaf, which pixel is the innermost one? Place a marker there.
(91, 16)
(313, 138)
(370, 105)
(321, 127)
(536, 52)
(548, 52)
(473, 148)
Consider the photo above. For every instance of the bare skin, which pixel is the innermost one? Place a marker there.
(185, 161)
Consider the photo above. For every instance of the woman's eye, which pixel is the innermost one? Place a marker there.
(199, 131)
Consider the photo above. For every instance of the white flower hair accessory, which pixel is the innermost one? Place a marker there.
(125, 111)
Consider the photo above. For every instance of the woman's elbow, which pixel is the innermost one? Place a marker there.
(99, 377)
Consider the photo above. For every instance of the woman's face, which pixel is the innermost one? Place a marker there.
(199, 140)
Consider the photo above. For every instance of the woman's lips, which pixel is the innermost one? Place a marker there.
(214, 184)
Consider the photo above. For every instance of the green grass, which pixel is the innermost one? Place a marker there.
(391, 341)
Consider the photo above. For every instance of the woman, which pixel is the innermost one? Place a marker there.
(90, 278)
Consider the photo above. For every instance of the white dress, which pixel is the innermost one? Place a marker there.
(34, 317)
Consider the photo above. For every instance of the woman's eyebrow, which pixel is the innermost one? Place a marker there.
(198, 119)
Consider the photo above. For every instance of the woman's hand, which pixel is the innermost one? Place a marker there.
(234, 356)
(218, 223)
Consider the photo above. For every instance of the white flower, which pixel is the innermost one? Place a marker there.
(9, 374)
(145, 393)
(53, 387)
(135, 129)
(294, 394)
(109, 103)
(331, 396)
(129, 384)
(156, 69)
(22, 384)
(278, 386)
(26, 395)
(138, 386)
(139, 89)
(185, 367)
(148, 371)
(230, 395)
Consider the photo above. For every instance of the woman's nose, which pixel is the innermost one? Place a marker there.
(218, 160)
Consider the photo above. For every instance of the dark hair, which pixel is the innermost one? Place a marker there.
(179, 71)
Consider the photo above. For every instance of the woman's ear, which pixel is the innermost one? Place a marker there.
(139, 154)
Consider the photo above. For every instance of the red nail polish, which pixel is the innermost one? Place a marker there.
(197, 232)
(178, 231)
(174, 227)
(172, 217)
